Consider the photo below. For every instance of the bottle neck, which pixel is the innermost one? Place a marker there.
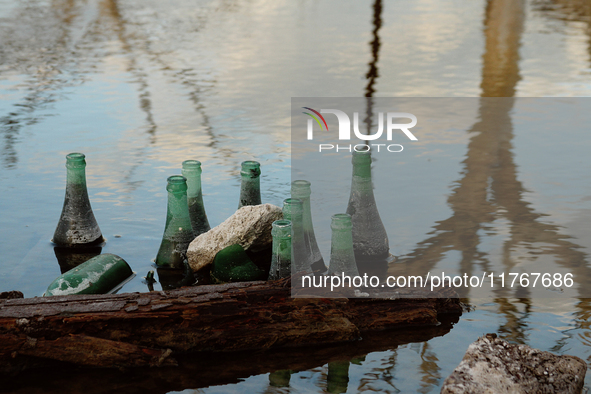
(177, 204)
(281, 233)
(76, 176)
(306, 210)
(342, 239)
(250, 191)
(361, 180)
(193, 183)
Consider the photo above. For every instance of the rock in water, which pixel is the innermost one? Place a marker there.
(249, 227)
(492, 365)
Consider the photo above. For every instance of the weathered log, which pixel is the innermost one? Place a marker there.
(213, 368)
(147, 327)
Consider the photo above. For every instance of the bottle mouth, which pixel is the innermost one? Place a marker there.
(251, 168)
(361, 156)
(292, 201)
(301, 183)
(281, 228)
(191, 165)
(301, 188)
(282, 223)
(176, 183)
(341, 220)
(75, 159)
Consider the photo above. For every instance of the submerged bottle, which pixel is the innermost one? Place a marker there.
(293, 211)
(370, 241)
(280, 378)
(281, 258)
(192, 171)
(250, 187)
(171, 279)
(102, 274)
(337, 379)
(301, 190)
(77, 226)
(342, 258)
(178, 231)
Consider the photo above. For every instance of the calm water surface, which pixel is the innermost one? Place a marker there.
(140, 86)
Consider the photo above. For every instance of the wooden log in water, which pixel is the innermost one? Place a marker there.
(141, 329)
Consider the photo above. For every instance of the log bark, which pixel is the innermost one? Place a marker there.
(141, 329)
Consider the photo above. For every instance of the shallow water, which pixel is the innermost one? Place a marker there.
(140, 86)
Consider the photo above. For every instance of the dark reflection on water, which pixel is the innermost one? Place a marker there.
(69, 258)
(205, 369)
(50, 51)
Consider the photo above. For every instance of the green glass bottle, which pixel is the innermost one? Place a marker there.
(370, 241)
(250, 187)
(77, 226)
(281, 249)
(293, 211)
(301, 190)
(280, 378)
(232, 264)
(102, 274)
(192, 171)
(342, 257)
(178, 231)
(337, 379)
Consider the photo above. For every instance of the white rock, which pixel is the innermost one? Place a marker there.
(250, 226)
(492, 365)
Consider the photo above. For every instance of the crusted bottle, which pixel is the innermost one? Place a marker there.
(192, 171)
(102, 274)
(77, 226)
(293, 210)
(178, 231)
(250, 187)
(281, 257)
(342, 258)
(370, 241)
(301, 190)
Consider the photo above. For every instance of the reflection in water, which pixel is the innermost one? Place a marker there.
(40, 45)
(69, 258)
(489, 189)
(516, 324)
(206, 369)
(337, 379)
(280, 378)
(171, 278)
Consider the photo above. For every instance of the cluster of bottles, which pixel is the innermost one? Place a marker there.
(78, 239)
(357, 235)
(359, 241)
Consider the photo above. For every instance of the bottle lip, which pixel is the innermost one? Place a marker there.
(75, 159)
(75, 156)
(301, 183)
(293, 201)
(301, 188)
(341, 220)
(361, 155)
(191, 165)
(281, 228)
(176, 183)
(281, 223)
(250, 164)
(251, 168)
(176, 179)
